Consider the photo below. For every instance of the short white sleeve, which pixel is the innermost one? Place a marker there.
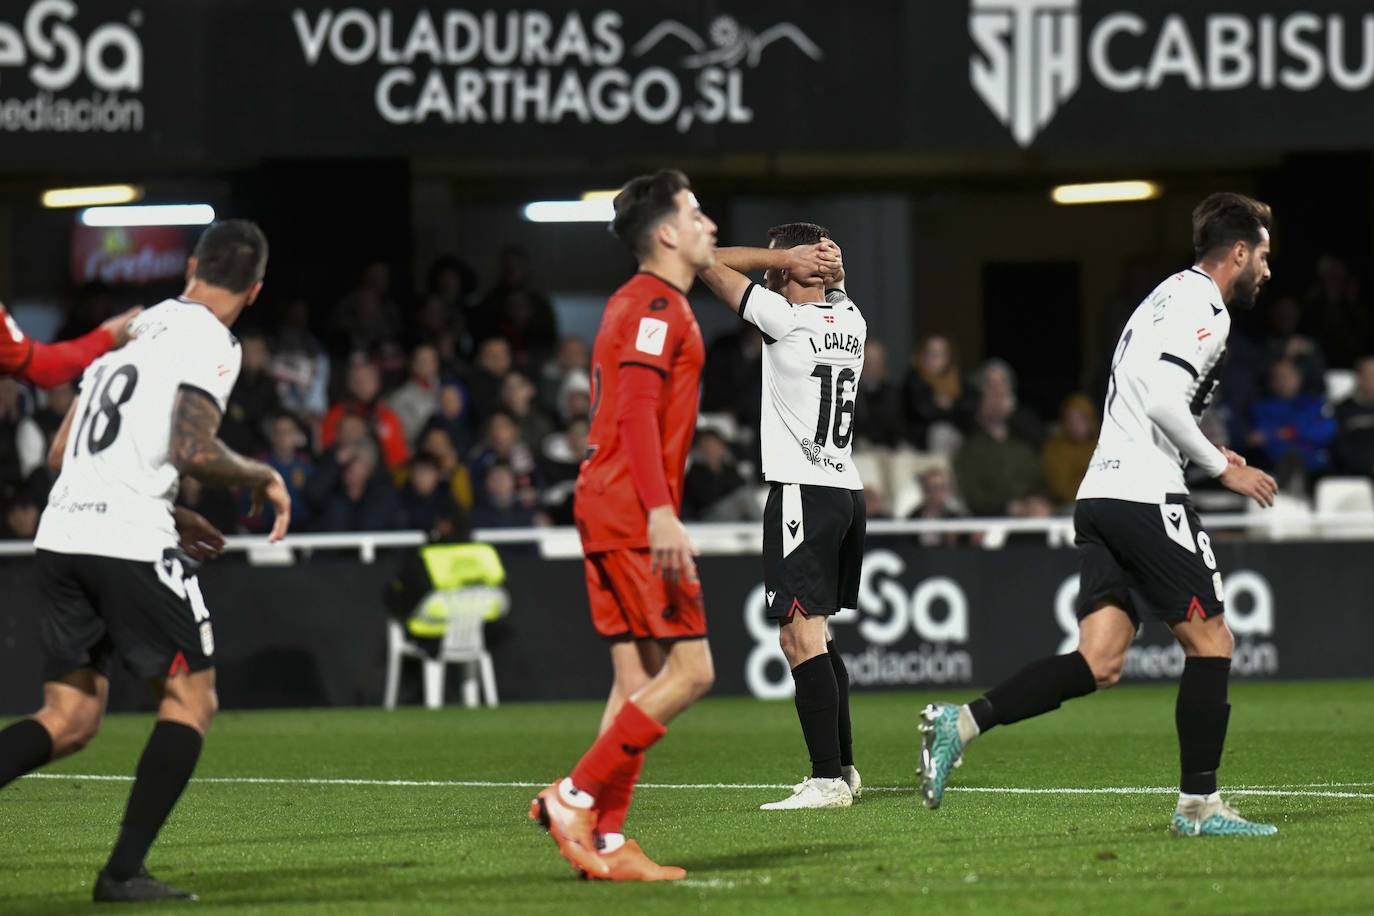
(207, 357)
(767, 311)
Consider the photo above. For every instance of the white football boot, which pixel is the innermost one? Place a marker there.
(815, 793)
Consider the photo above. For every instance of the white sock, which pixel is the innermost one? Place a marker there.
(610, 842)
(968, 727)
(574, 797)
(1185, 799)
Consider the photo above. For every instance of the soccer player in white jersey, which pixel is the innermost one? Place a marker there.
(114, 584)
(813, 524)
(1143, 551)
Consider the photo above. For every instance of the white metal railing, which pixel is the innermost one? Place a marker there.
(725, 538)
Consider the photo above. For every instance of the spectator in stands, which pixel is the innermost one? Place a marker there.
(353, 493)
(59, 401)
(518, 312)
(562, 453)
(502, 445)
(1336, 310)
(517, 399)
(253, 401)
(362, 400)
(436, 443)
(499, 504)
(732, 380)
(453, 417)
(1295, 430)
(1353, 450)
(19, 520)
(937, 503)
(367, 319)
(994, 467)
(878, 411)
(574, 399)
(442, 317)
(934, 390)
(713, 489)
(430, 506)
(290, 456)
(451, 280)
(875, 503)
(998, 375)
(1065, 457)
(1286, 343)
(560, 459)
(300, 364)
(22, 447)
(572, 358)
(484, 383)
(417, 400)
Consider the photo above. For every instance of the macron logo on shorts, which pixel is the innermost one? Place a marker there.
(653, 333)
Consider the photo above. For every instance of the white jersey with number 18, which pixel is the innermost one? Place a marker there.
(813, 356)
(114, 495)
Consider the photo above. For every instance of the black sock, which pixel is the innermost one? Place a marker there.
(163, 771)
(1201, 715)
(818, 709)
(1037, 688)
(24, 747)
(842, 682)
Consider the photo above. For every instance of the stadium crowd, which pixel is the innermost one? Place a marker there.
(446, 411)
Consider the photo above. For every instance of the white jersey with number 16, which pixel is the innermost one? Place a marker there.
(114, 496)
(813, 356)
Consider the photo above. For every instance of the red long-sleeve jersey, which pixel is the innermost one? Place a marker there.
(47, 365)
(646, 371)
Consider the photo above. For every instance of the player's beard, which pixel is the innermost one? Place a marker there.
(1246, 292)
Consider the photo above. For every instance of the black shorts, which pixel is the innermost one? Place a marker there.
(151, 616)
(1150, 559)
(813, 550)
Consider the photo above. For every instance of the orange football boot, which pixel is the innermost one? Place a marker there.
(630, 863)
(573, 829)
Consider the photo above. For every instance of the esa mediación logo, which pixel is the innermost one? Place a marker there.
(1029, 55)
(57, 77)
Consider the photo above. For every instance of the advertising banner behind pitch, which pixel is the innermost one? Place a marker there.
(947, 620)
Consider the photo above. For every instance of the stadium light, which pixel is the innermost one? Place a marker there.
(154, 215)
(598, 210)
(600, 195)
(1106, 192)
(93, 196)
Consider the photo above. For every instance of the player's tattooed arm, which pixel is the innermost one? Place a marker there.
(197, 450)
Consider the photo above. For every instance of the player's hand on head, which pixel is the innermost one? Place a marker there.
(199, 539)
(1250, 482)
(671, 550)
(118, 326)
(274, 492)
(814, 262)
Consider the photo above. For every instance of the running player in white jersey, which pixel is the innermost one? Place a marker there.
(1143, 551)
(813, 524)
(114, 584)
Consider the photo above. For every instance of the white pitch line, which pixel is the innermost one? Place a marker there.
(1306, 791)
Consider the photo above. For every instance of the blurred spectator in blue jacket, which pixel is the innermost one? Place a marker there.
(1293, 429)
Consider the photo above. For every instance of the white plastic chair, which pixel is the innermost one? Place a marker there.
(464, 644)
(1345, 494)
(1289, 519)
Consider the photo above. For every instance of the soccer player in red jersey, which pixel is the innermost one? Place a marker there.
(641, 577)
(49, 365)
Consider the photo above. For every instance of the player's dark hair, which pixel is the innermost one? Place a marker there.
(642, 204)
(790, 235)
(231, 254)
(1225, 218)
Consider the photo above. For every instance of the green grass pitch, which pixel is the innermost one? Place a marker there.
(329, 846)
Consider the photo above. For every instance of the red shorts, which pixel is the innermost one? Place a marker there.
(630, 602)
